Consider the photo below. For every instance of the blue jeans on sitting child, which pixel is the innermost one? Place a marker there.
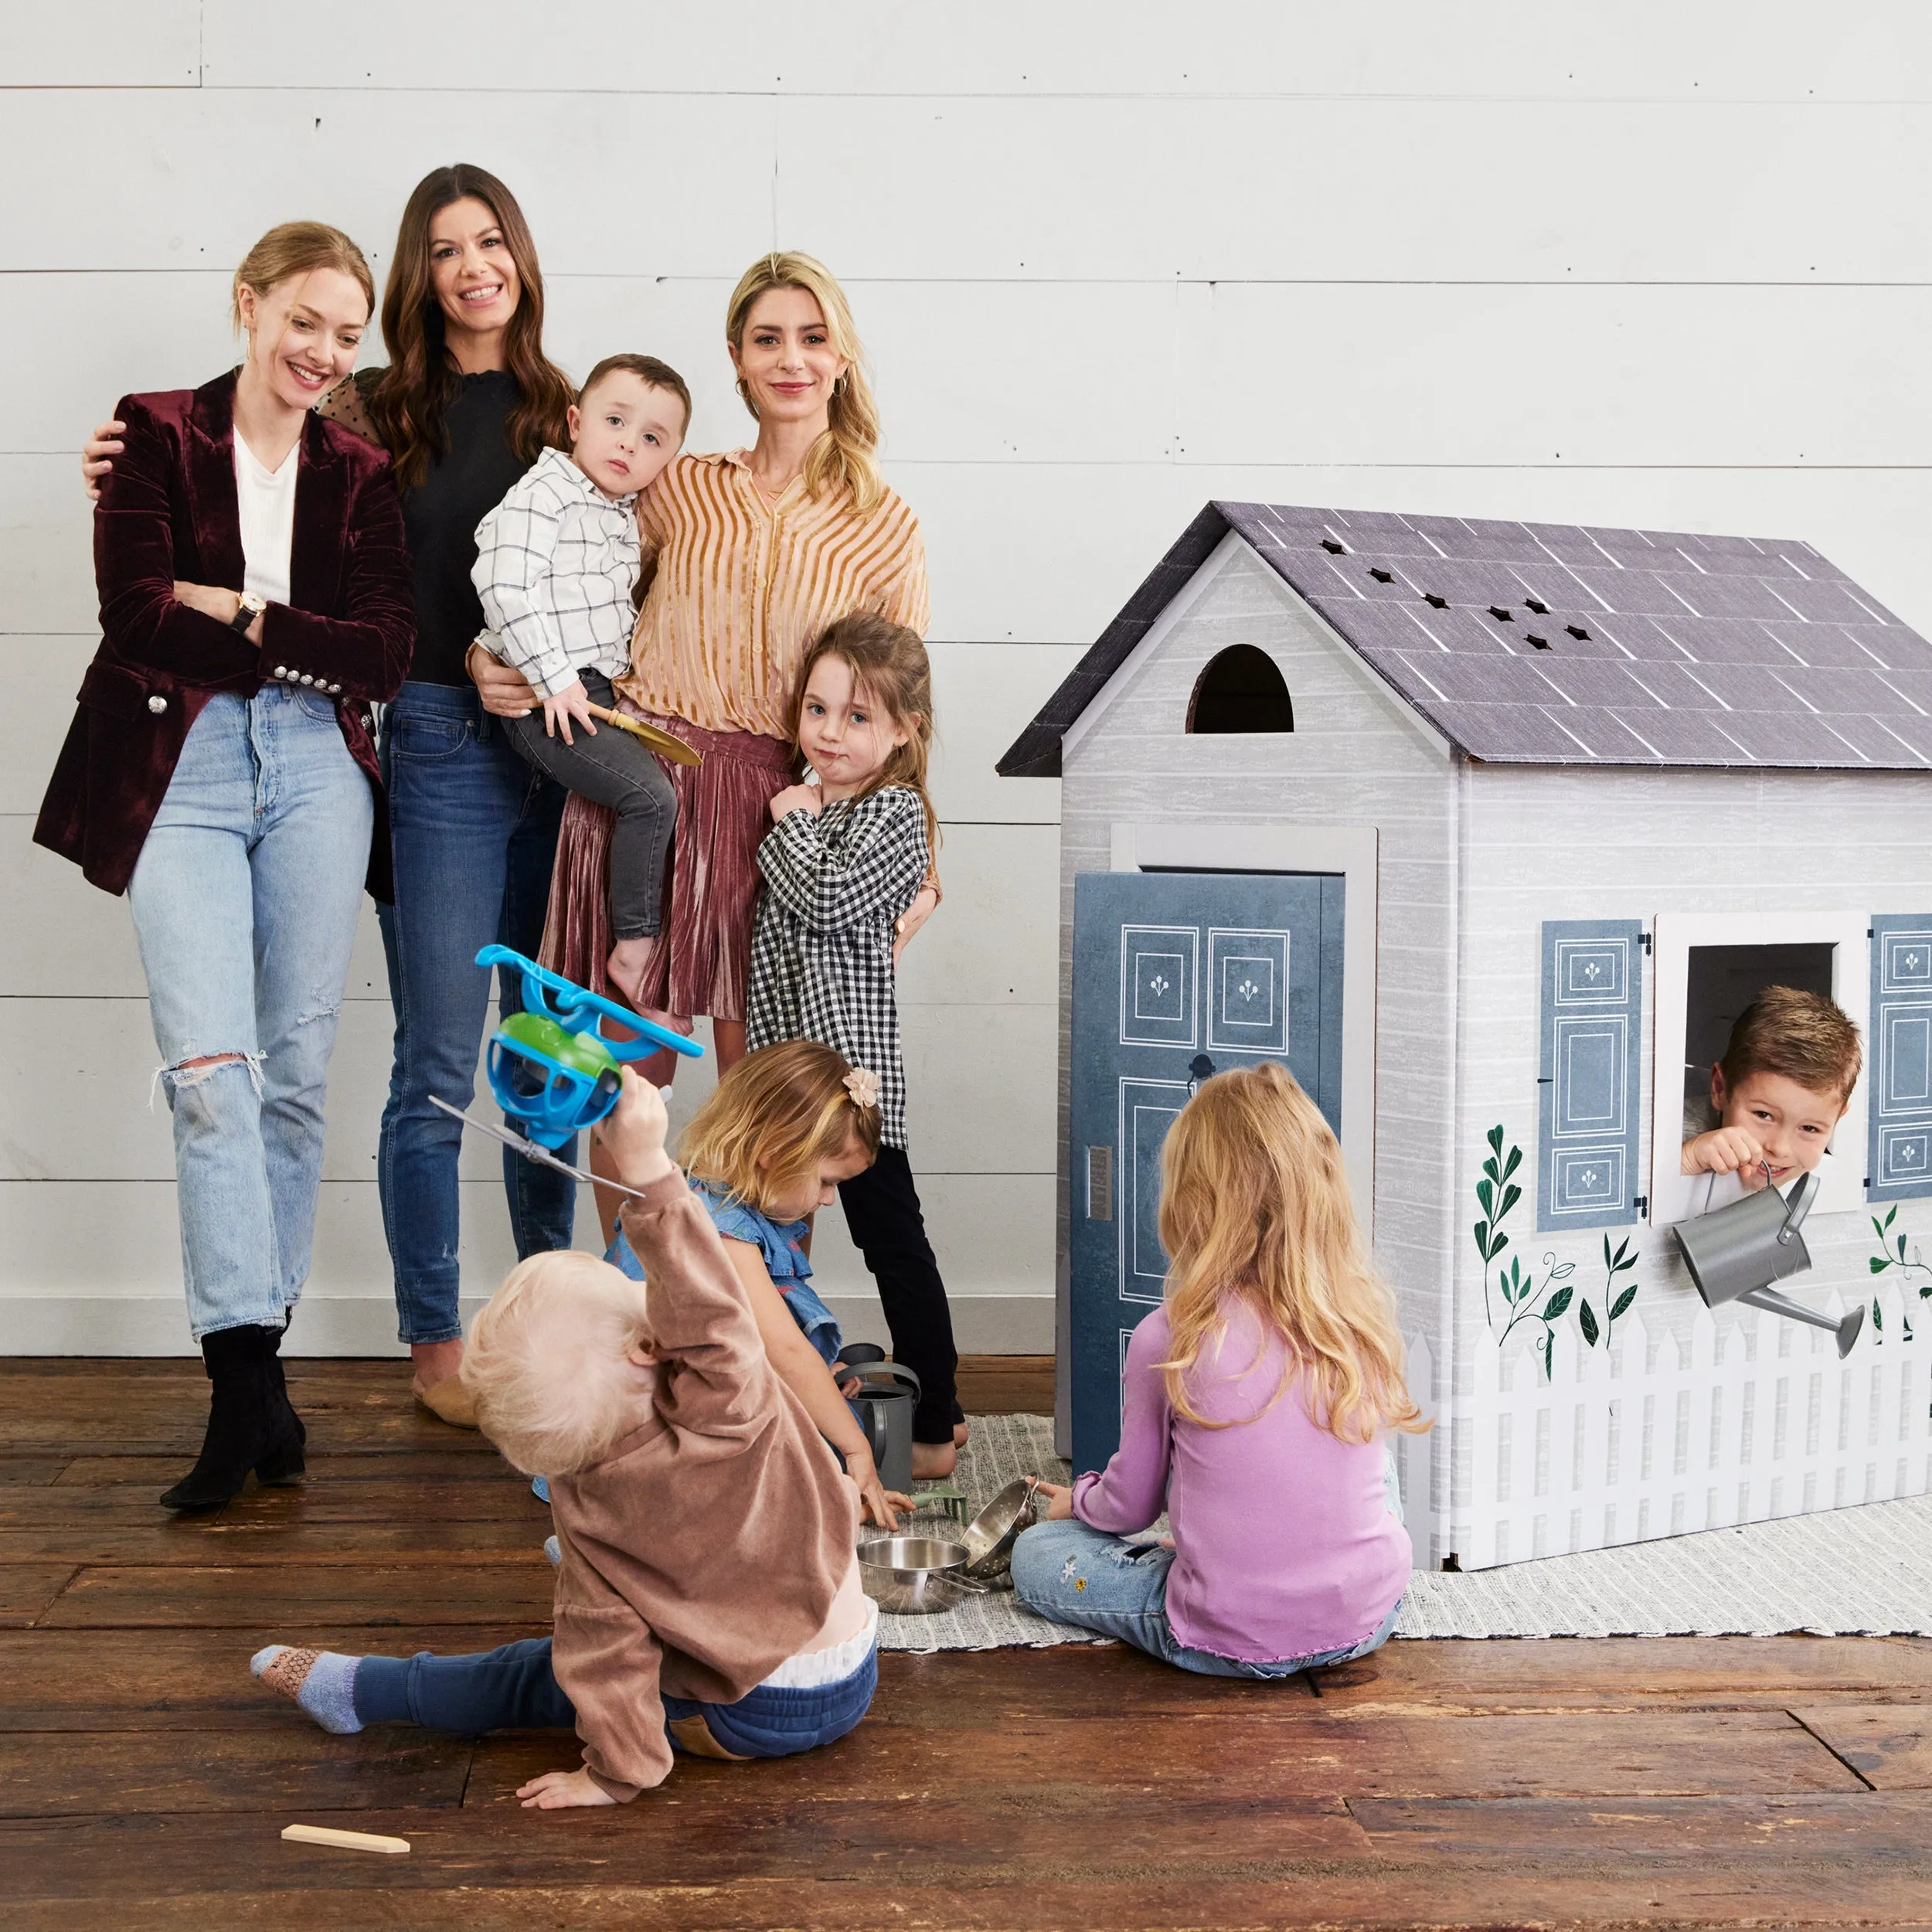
(514, 1688)
(1078, 1575)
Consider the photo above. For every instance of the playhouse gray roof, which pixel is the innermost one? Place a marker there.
(1553, 643)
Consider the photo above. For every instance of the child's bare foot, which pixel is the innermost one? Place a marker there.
(626, 964)
(933, 1459)
(962, 1435)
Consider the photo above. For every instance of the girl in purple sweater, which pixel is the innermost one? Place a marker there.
(1255, 1404)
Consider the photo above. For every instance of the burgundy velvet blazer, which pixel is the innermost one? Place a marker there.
(168, 512)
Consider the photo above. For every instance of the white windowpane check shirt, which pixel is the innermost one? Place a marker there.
(821, 952)
(556, 565)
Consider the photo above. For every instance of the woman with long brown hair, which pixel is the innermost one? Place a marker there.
(465, 406)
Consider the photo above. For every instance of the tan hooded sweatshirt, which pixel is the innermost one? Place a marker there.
(707, 1547)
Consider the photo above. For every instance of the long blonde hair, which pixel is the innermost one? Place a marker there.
(846, 456)
(889, 667)
(1254, 1203)
(775, 1117)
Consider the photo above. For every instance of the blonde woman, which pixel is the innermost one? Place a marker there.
(754, 551)
(222, 772)
(1256, 1401)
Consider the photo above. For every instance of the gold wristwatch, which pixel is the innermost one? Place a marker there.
(250, 607)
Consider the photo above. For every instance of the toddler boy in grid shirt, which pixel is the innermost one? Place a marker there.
(557, 563)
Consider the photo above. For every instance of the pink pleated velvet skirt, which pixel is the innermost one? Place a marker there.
(701, 961)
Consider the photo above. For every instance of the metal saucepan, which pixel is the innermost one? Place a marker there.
(991, 1536)
(914, 1575)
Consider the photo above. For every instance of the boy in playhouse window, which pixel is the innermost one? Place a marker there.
(1782, 1087)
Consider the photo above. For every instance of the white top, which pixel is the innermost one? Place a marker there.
(266, 500)
(556, 563)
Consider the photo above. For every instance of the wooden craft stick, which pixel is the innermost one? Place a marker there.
(345, 1841)
(660, 742)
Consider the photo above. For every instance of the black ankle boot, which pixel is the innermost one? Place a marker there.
(282, 1464)
(250, 1421)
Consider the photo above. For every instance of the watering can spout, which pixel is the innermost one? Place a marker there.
(1844, 1329)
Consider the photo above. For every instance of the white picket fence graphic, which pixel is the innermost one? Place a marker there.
(1656, 1436)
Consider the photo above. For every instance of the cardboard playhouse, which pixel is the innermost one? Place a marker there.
(1489, 831)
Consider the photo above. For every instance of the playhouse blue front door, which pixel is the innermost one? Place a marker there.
(1176, 976)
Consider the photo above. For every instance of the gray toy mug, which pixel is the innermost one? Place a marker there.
(1734, 1254)
(888, 1393)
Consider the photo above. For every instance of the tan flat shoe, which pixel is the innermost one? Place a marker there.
(447, 1400)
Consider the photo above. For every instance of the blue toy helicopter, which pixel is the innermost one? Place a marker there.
(553, 1068)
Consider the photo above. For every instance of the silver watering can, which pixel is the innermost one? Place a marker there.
(1734, 1254)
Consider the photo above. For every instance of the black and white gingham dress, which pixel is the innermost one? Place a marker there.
(821, 952)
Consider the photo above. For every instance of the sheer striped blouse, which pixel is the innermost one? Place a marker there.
(744, 584)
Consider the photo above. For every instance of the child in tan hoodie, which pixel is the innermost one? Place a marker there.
(709, 1594)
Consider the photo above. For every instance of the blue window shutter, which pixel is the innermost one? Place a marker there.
(1589, 1087)
(1898, 1057)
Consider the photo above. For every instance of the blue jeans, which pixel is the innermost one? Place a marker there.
(245, 899)
(514, 1688)
(473, 830)
(1078, 1575)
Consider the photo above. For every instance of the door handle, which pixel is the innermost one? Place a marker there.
(1100, 1184)
(1200, 1068)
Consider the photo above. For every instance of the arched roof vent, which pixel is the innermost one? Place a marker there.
(1240, 689)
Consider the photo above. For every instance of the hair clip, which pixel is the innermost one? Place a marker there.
(863, 1084)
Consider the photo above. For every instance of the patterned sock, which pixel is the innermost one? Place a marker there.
(321, 1681)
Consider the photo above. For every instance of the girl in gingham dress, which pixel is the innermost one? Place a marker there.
(843, 862)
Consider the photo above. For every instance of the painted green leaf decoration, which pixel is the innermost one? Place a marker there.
(1891, 1216)
(1514, 1161)
(1511, 1196)
(1549, 1354)
(1556, 1304)
(1878, 1318)
(1495, 1138)
(1587, 1315)
(1879, 1264)
(1486, 1195)
(1490, 1170)
(1624, 1301)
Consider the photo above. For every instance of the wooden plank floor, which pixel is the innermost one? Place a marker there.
(144, 1776)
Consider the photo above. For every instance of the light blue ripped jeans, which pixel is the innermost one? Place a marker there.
(245, 900)
(1078, 1575)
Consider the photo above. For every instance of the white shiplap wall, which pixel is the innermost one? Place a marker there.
(1629, 264)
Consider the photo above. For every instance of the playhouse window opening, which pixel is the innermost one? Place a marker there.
(1240, 690)
(1720, 981)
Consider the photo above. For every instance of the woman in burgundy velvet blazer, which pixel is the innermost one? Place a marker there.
(220, 770)
(168, 513)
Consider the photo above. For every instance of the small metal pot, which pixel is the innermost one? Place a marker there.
(913, 1576)
(991, 1536)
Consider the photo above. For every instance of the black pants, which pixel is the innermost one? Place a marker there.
(612, 768)
(882, 1210)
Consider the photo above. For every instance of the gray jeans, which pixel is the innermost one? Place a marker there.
(613, 769)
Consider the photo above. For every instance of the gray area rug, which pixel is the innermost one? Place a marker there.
(1860, 1572)
(1865, 1571)
(1001, 1448)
